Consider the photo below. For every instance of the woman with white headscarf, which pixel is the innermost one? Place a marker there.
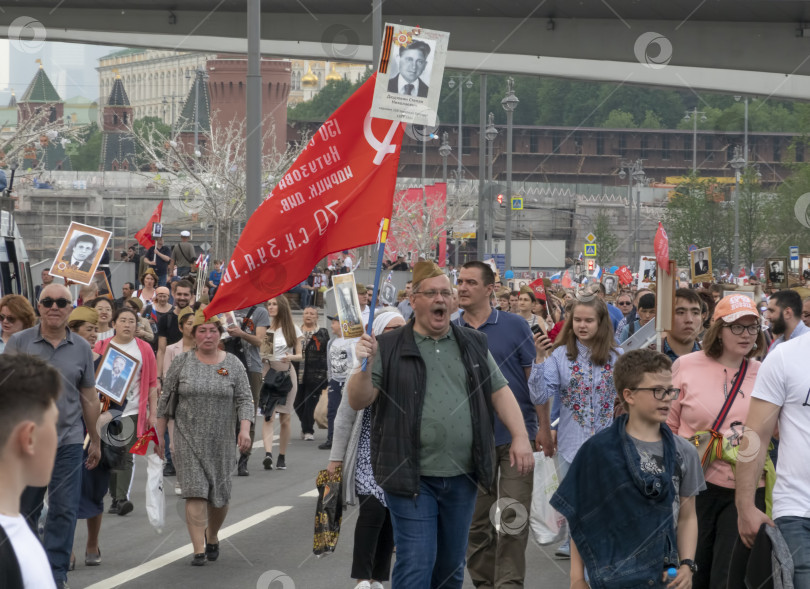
(351, 448)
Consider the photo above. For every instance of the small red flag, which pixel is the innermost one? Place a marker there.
(538, 288)
(144, 236)
(566, 280)
(142, 445)
(332, 198)
(661, 245)
(625, 275)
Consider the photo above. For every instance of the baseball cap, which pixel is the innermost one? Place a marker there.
(732, 307)
(332, 318)
(185, 234)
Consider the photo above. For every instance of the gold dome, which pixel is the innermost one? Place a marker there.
(309, 79)
(333, 75)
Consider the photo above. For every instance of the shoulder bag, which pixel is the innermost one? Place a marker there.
(171, 402)
(709, 443)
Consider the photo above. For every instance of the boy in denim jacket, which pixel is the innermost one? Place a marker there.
(629, 495)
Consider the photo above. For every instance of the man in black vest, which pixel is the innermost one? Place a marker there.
(430, 471)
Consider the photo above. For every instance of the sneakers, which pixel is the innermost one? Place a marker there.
(169, 470)
(177, 490)
(363, 585)
(242, 468)
(268, 461)
(125, 507)
(327, 445)
(281, 464)
(564, 549)
(309, 437)
(377, 585)
(113, 507)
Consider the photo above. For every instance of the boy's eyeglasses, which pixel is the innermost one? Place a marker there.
(738, 329)
(48, 302)
(661, 393)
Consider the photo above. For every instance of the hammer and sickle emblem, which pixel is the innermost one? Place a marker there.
(383, 147)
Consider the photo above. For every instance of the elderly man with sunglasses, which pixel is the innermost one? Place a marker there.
(72, 357)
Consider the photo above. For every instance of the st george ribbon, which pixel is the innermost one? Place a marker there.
(332, 198)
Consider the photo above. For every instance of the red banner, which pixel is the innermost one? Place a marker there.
(331, 199)
(625, 275)
(144, 236)
(661, 244)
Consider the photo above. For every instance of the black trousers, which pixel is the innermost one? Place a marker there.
(306, 399)
(717, 535)
(373, 541)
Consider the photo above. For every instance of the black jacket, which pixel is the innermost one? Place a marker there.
(395, 431)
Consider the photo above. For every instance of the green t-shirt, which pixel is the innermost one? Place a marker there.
(446, 436)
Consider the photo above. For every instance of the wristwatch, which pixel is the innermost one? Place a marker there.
(690, 563)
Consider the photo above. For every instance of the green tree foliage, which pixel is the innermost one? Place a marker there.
(651, 121)
(697, 214)
(606, 241)
(755, 227)
(619, 119)
(87, 155)
(326, 101)
(784, 227)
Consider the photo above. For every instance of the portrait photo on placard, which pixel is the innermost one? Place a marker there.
(646, 271)
(777, 272)
(348, 305)
(80, 253)
(804, 266)
(104, 288)
(611, 284)
(409, 75)
(116, 372)
(700, 261)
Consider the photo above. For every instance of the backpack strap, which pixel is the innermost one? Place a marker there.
(10, 573)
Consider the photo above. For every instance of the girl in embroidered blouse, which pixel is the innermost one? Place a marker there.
(578, 375)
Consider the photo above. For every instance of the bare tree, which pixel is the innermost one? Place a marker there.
(213, 185)
(32, 137)
(418, 224)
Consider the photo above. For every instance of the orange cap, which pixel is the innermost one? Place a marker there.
(732, 307)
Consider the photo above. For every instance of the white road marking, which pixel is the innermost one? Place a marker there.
(260, 443)
(186, 551)
(313, 493)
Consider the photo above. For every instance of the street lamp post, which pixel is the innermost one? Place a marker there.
(444, 151)
(634, 172)
(626, 171)
(639, 177)
(693, 115)
(509, 104)
(165, 103)
(461, 84)
(491, 133)
(738, 162)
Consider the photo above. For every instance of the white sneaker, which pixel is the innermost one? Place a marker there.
(309, 437)
(377, 585)
(177, 490)
(363, 585)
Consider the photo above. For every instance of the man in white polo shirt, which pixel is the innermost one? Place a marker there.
(781, 395)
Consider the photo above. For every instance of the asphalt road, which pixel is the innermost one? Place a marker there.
(267, 535)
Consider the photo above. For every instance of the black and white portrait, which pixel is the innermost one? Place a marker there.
(701, 263)
(80, 253)
(81, 250)
(412, 69)
(610, 282)
(116, 373)
(777, 274)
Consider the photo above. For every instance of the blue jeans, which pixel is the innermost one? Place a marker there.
(334, 396)
(64, 490)
(162, 279)
(796, 531)
(430, 532)
(305, 295)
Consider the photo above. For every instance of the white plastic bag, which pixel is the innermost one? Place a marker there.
(155, 501)
(547, 525)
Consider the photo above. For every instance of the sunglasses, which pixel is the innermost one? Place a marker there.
(8, 318)
(48, 302)
(624, 304)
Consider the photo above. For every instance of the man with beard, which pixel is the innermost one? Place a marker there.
(168, 329)
(784, 314)
(687, 322)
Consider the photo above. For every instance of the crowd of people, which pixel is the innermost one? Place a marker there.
(466, 381)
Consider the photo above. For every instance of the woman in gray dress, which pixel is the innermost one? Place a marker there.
(210, 391)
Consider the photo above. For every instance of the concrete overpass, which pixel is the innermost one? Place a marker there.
(697, 44)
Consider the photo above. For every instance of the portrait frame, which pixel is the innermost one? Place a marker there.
(610, 292)
(348, 305)
(157, 230)
(781, 276)
(104, 288)
(695, 260)
(647, 271)
(804, 265)
(85, 271)
(390, 104)
(116, 392)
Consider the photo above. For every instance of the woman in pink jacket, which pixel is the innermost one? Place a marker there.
(706, 379)
(142, 394)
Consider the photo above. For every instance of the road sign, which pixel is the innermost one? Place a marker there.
(590, 249)
(517, 203)
(794, 253)
(692, 247)
(590, 238)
